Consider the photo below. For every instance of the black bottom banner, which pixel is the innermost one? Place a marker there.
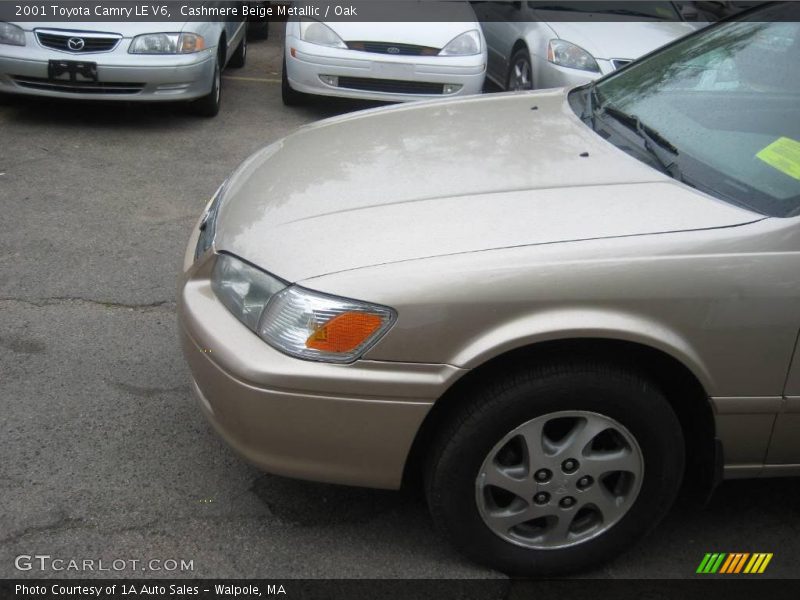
(391, 589)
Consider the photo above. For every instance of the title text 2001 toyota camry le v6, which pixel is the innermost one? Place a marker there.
(557, 305)
(153, 62)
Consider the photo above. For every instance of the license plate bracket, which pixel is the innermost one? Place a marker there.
(72, 70)
(393, 70)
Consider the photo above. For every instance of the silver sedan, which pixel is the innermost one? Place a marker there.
(122, 60)
(536, 45)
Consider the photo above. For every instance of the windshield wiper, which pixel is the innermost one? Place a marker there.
(660, 148)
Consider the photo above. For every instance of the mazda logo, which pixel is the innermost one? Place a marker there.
(75, 44)
(393, 50)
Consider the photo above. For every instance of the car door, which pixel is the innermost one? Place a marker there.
(783, 455)
(785, 445)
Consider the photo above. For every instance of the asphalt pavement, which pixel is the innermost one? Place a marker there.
(103, 453)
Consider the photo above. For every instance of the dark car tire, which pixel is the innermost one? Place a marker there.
(490, 411)
(208, 106)
(520, 72)
(289, 95)
(239, 56)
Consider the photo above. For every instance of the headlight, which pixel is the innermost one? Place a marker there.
(167, 43)
(463, 45)
(569, 55)
(208, 224)
(243, 289)
(315, 32)
(297, 321)
(11, 34)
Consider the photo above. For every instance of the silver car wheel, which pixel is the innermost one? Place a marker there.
(521, 78)
(559, 480)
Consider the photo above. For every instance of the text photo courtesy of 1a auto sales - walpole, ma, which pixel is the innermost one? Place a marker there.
(399, 299)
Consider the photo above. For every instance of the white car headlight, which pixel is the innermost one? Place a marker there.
(315, 32)
(297, 321)
(11, 34)
(167, 43)
(466, 44)
(566, 54)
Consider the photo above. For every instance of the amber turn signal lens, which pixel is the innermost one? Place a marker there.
(344, 332)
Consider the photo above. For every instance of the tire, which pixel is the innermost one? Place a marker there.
(289, 95)
(520, 73)
(239, 56)
(644, 444)
(208, 106)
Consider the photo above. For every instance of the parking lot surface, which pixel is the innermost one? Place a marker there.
(104, 453)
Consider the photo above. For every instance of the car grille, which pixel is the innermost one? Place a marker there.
(392, 86)
(393, 49)
(620, 62)
(92, 42)
(79, 87)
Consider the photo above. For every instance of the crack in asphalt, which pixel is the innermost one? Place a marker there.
(61, 524)
(166, 305)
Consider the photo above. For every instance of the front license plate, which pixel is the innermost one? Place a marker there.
(72, 70)
(392, 70)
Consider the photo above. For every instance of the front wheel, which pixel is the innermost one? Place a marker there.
(208, 106)
(520, 73)
(555, 469)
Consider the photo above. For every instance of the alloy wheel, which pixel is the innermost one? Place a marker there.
(521, 78)
(559, 480)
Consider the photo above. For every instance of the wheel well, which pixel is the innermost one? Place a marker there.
(683, 390)
(519, 45)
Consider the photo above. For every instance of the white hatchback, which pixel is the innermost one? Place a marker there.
(396, 62)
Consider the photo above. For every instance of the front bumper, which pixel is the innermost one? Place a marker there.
(121, 76)
(351, 424)
(306, 62)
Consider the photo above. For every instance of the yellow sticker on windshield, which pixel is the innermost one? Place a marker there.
(783, 154)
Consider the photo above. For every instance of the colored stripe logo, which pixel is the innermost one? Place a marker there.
(734, 563)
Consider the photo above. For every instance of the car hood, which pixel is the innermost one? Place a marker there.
(439, 178)
(619, 39)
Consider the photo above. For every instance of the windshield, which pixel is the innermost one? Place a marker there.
(648, 10)
(719, 110)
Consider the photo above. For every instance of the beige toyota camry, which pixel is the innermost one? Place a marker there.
(555, 308)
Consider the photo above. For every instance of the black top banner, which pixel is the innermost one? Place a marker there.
(74, 11)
